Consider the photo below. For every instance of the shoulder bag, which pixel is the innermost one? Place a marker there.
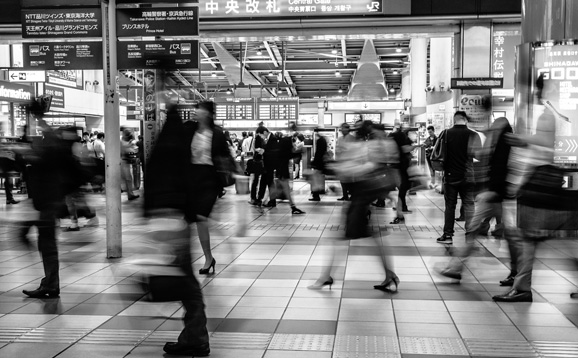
(438, 155)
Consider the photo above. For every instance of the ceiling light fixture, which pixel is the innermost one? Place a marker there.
(334, 51)
(337, 73)
(229, 91)
(391, 90)
(340, 90)
(259, 52)
(213, 74)
(398, 50)
(270, 73)
(395, 72)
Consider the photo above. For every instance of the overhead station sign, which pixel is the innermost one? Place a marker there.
(158, 21)
(477, 83)
(289, 8)
(63, 55)
(158, 54)
(56, 23)
(26, 76)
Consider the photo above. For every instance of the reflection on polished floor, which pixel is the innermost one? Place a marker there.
(258, 303)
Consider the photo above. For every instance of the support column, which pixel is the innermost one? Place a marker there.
(440, 100)
(418, 53)
(321, 114)
(112, 133)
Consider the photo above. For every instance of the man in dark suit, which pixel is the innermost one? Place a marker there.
(270, 152)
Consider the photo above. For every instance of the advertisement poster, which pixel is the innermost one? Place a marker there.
(479, 109)
(559, 66)
(57, 94)
(150, 111)
(67, 78)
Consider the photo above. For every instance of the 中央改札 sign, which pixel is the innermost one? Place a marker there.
(286, 8)
(158, 54)
(157, 21)
(63, 55)
(55, 23)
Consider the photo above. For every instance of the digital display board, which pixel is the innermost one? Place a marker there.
(157, 21)
(559, 65)
(158, 54)
(285, 8)
(231, 110)
(63, 56)
(51, 23)
(354, 117)
(281, 109)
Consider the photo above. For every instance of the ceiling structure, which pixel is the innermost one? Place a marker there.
(308, 69)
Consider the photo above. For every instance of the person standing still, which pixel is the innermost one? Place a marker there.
(429, 144)
(318, 162)
(458, 175)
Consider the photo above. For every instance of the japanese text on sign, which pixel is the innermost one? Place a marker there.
(49, 23)
(503, 55)
(260, 8)
(157, 22)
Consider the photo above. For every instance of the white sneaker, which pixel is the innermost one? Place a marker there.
(92, 222)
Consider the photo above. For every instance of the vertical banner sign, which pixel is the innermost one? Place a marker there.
(504, 55)
(559, 66)
(150, 111)
(478, 109)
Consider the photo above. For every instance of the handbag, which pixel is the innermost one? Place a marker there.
(226, 169)
(317, 182)
(438, 155)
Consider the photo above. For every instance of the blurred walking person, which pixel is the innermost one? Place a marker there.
(207, 147)
(129, 154)
(54, 174)
(367, 165)
(166, 198)
(340, 149)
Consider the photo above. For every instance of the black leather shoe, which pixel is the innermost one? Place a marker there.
(514, 296)
(461, 218)
(509, 281)
(42, 292)
(270, 204)
(444, 239)
(182, 350)
(11, 201)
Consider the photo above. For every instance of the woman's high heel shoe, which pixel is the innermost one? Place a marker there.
(319, 284)
(206, 271)
(389, 285)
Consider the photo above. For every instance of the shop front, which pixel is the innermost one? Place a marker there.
(13, 115)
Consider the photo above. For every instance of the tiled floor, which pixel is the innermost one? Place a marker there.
(258, 304)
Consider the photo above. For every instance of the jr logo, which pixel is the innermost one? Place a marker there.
(374, 6)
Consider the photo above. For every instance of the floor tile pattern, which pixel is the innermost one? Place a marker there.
(258, 304)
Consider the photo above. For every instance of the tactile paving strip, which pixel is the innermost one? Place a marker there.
(159, 338)
(8, 335)
(52, 335)
(302, 342)
(115, 337)
(365, 355)
(366, 344)
(436, 346)
(240, 340)
(556, 349)
(490, 348)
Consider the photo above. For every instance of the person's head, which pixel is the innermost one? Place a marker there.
(292, 126)
(85, 136)
(244, 134)
(127, 134)
(205, 113)
(234, 136)
(100, 136)
(262, 132)
(345, 129)
(460, 118)
(501, 124)
(431, 131)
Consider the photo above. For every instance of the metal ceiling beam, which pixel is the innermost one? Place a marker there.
(271, 55)
(344, 51)
(286, 75)
(205, 53)
(185, 82)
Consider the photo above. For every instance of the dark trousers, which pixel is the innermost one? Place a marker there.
(403, 188)
(47, 246)
(195, 332)
(356, 218)
(451, 191)
(255, 186)
(346, 188)
(8, 187)
(267, 182)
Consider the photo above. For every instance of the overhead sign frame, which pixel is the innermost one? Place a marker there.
(158, 54)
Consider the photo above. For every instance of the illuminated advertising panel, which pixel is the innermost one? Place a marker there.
(559, 65)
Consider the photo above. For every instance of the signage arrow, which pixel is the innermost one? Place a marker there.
(14, 76)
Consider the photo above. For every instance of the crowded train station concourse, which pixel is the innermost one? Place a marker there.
(289, 178)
